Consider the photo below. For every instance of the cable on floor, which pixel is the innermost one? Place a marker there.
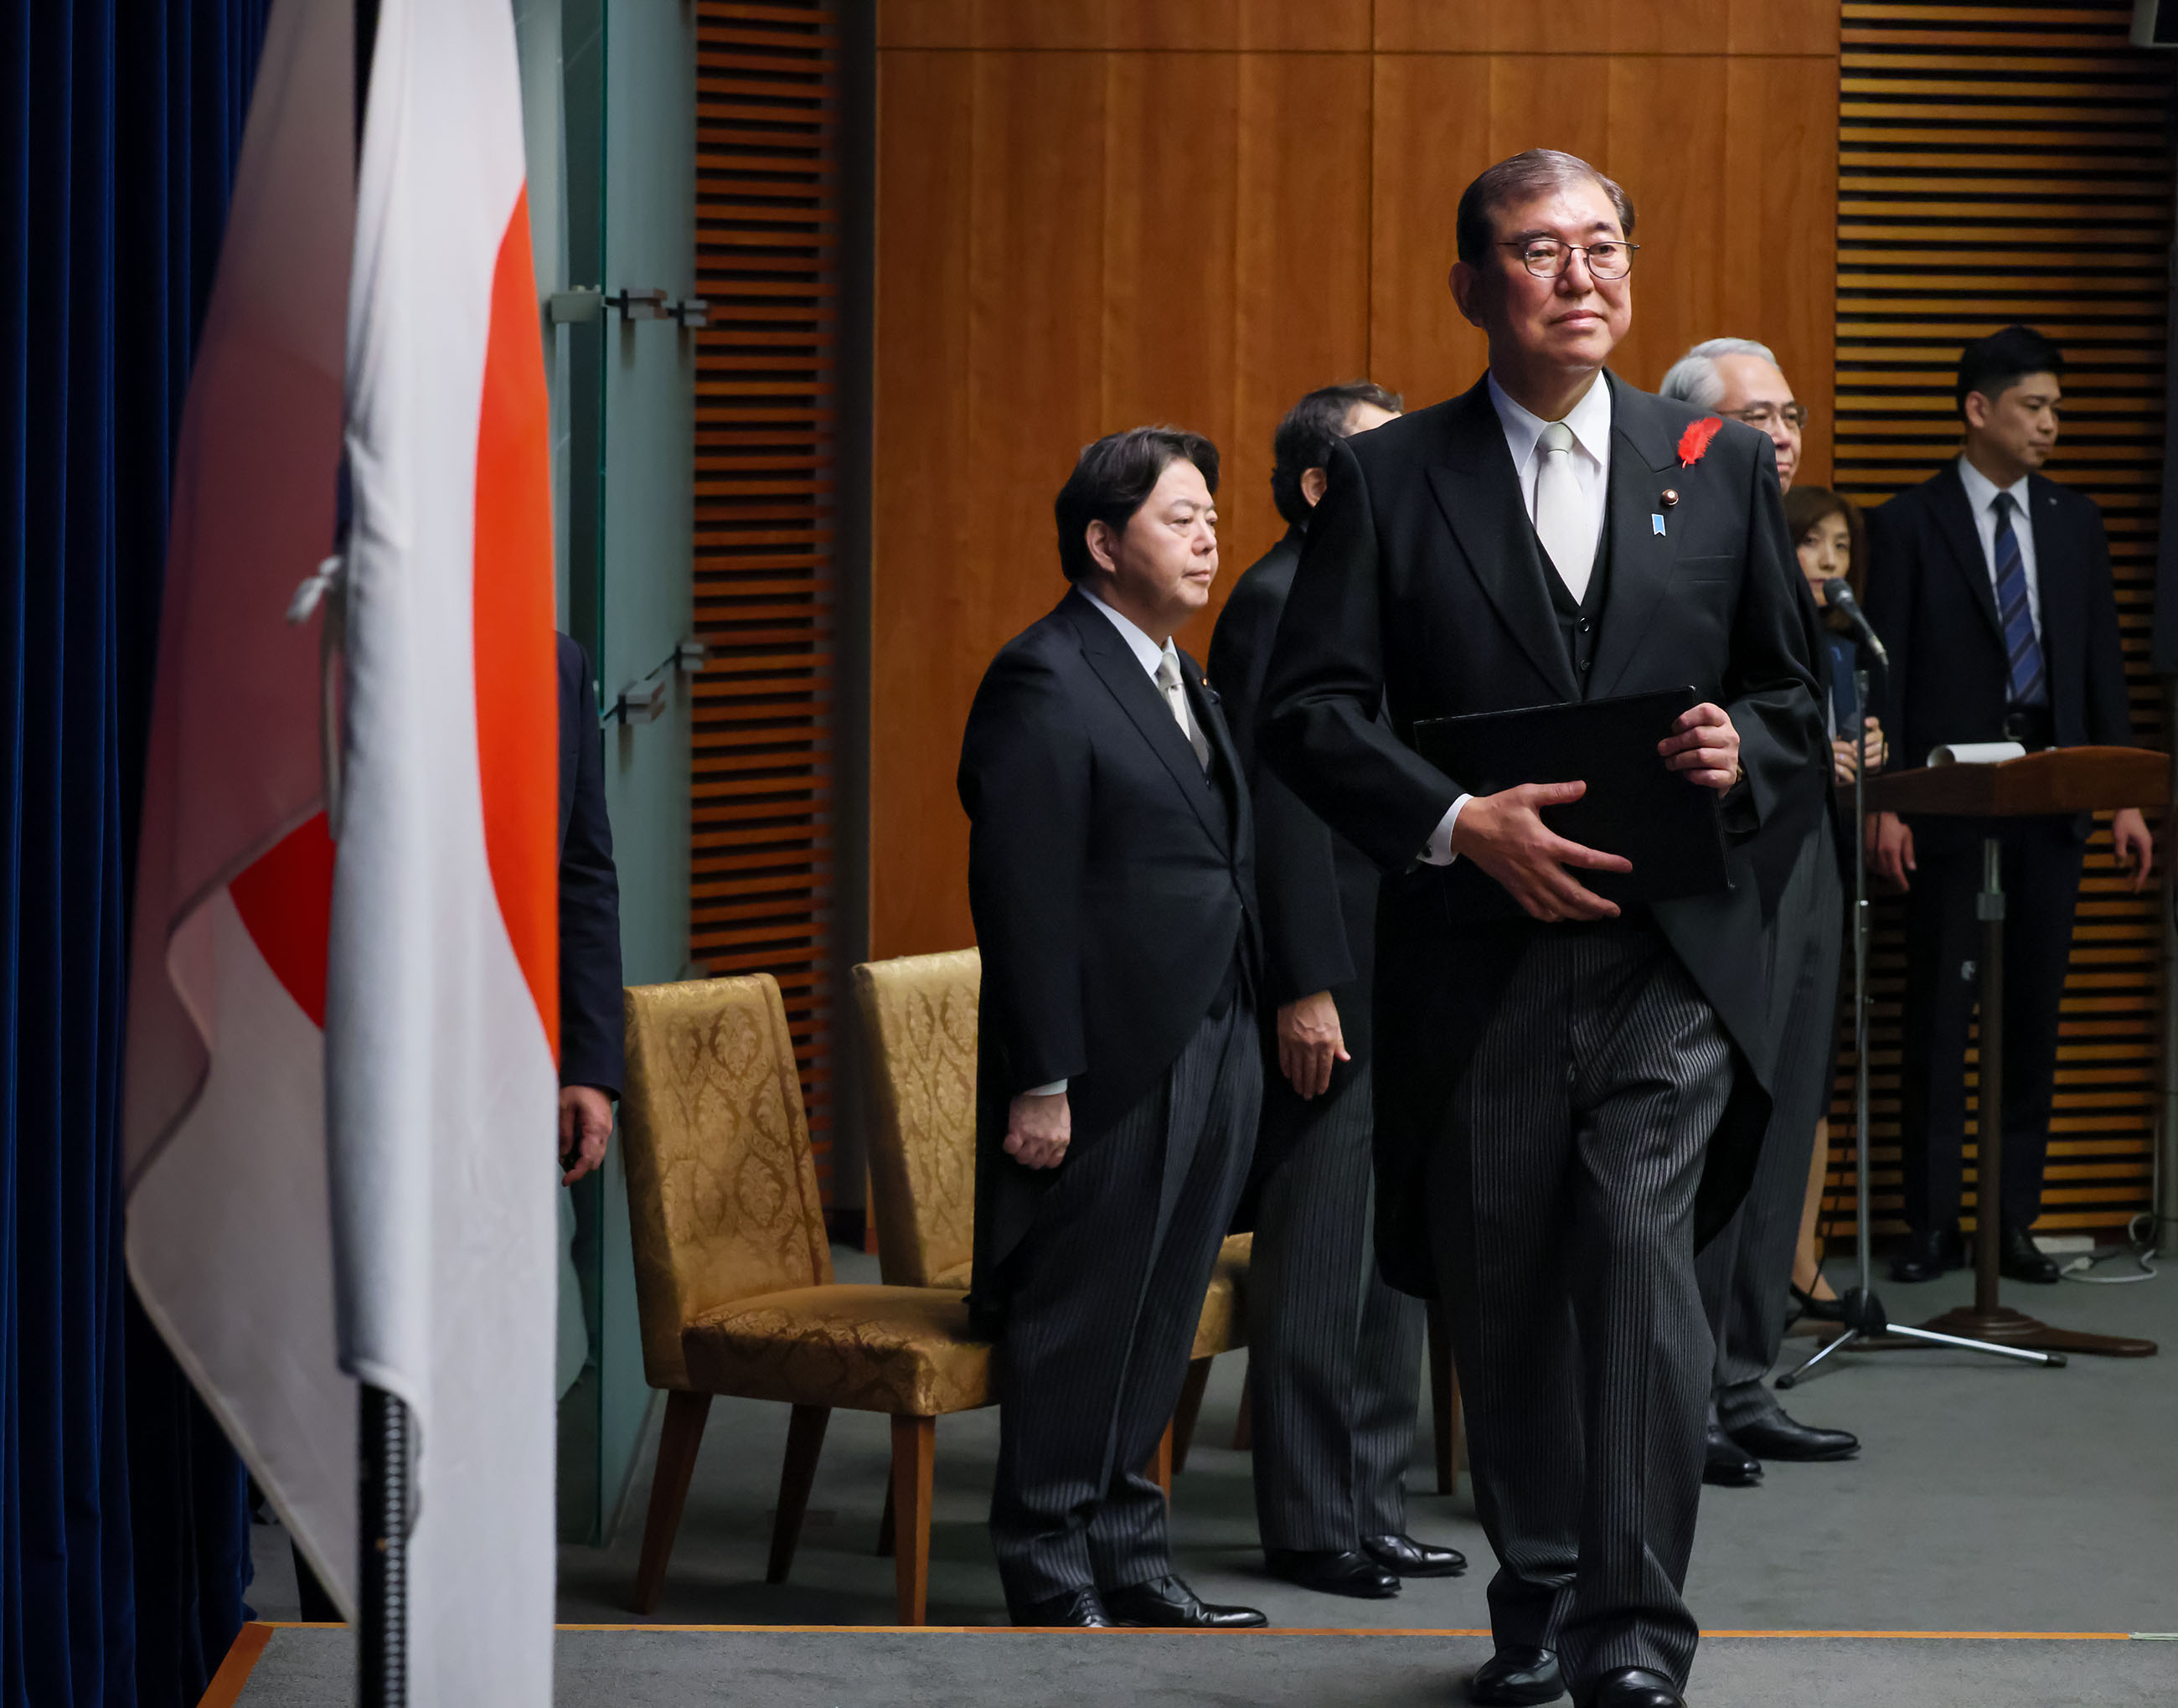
(2140, 1249)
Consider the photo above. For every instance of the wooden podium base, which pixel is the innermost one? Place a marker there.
(2009, 1327)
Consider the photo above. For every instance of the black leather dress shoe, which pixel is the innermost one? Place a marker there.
(2021, 1259)
(1813, 1309)
(1778, 1437)
(1516, 1674)
(1922, 1258)
(1334, 1571)
(1169, 1605)
(1082, 1609)
(1409, 1558)
(1726, 1463)
(1635, 1687)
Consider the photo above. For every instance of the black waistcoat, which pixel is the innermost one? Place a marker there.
(1580, 621)
(1580, 628)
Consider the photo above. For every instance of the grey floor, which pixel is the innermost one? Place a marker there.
(883, 1669)
(1991, 1497)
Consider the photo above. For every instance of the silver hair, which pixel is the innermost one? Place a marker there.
(1694, 378)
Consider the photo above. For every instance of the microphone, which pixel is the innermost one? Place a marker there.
(1837, 594)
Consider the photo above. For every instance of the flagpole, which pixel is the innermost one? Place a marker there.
(386, 1504)
(385, 1445)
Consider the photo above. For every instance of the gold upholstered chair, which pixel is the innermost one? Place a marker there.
(918, 1027)
(734, 1275)
(919, 1031)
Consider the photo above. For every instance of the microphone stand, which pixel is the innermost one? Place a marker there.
(1862, 1311)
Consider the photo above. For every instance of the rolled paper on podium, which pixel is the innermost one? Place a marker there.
(1976, 753)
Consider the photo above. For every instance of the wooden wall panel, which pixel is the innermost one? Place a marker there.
(1301, 270)
(924, 509)
(1170, 208)
(1264, 26)
(1642, 27)
(1019, 393)
(1678, 276)
(761, 809)
(1195, 215)
(1432, 120)
(2001, 163)
(1775, 249)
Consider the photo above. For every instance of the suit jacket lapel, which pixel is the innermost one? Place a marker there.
(1955, 520)
(2053, 556)
(1479, 491)
(1224, 754)
(1121, 671)
(1641, 558)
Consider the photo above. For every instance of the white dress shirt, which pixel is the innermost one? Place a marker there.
(1590, 422)
(1140, 645)
(1981, 494)
(1149, 655)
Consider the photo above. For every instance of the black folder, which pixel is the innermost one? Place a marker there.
(1635, 805)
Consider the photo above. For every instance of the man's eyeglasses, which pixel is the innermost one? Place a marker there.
(1760, 415)
(1548, 257)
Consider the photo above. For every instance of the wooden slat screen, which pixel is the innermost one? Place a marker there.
(766, 95)
(2001, 163)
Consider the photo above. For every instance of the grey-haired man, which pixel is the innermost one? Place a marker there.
(1746, 1271)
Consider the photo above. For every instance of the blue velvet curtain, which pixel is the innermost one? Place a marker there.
(120, 121)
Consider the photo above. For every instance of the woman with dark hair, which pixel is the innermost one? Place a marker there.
(1827, 531)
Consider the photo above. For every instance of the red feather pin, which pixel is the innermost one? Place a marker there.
(1694, 441)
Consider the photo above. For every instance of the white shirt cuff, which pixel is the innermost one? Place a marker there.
(1439, 852)
(1050, 1091)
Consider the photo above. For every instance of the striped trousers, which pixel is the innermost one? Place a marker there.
(1562, 1218)
(1334, 1356)
(1103, 1296)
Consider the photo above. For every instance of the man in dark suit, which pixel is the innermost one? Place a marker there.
(1990, 584)
(1334, 1353)
(1110, 862)
(1746, 1272)
(1568, 1096)
(591, 1031)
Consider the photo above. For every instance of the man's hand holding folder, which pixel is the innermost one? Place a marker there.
(1705, 745)
(1505, 835)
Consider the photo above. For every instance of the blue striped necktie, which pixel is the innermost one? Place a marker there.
(2029, 687)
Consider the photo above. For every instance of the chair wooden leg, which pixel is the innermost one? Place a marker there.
(914, 1456)
(1189, 1410)
(1159, 1469)
(1444, 1403)
(887, 1533)
(683, 1433)
(805, 1440)
(1243, 1420)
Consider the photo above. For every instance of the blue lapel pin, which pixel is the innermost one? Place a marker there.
(1655, 523)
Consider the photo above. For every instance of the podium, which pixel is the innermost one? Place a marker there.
(2059, 780)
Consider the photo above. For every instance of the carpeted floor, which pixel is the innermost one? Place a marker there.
(653, 1669)
(1991, 1497)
